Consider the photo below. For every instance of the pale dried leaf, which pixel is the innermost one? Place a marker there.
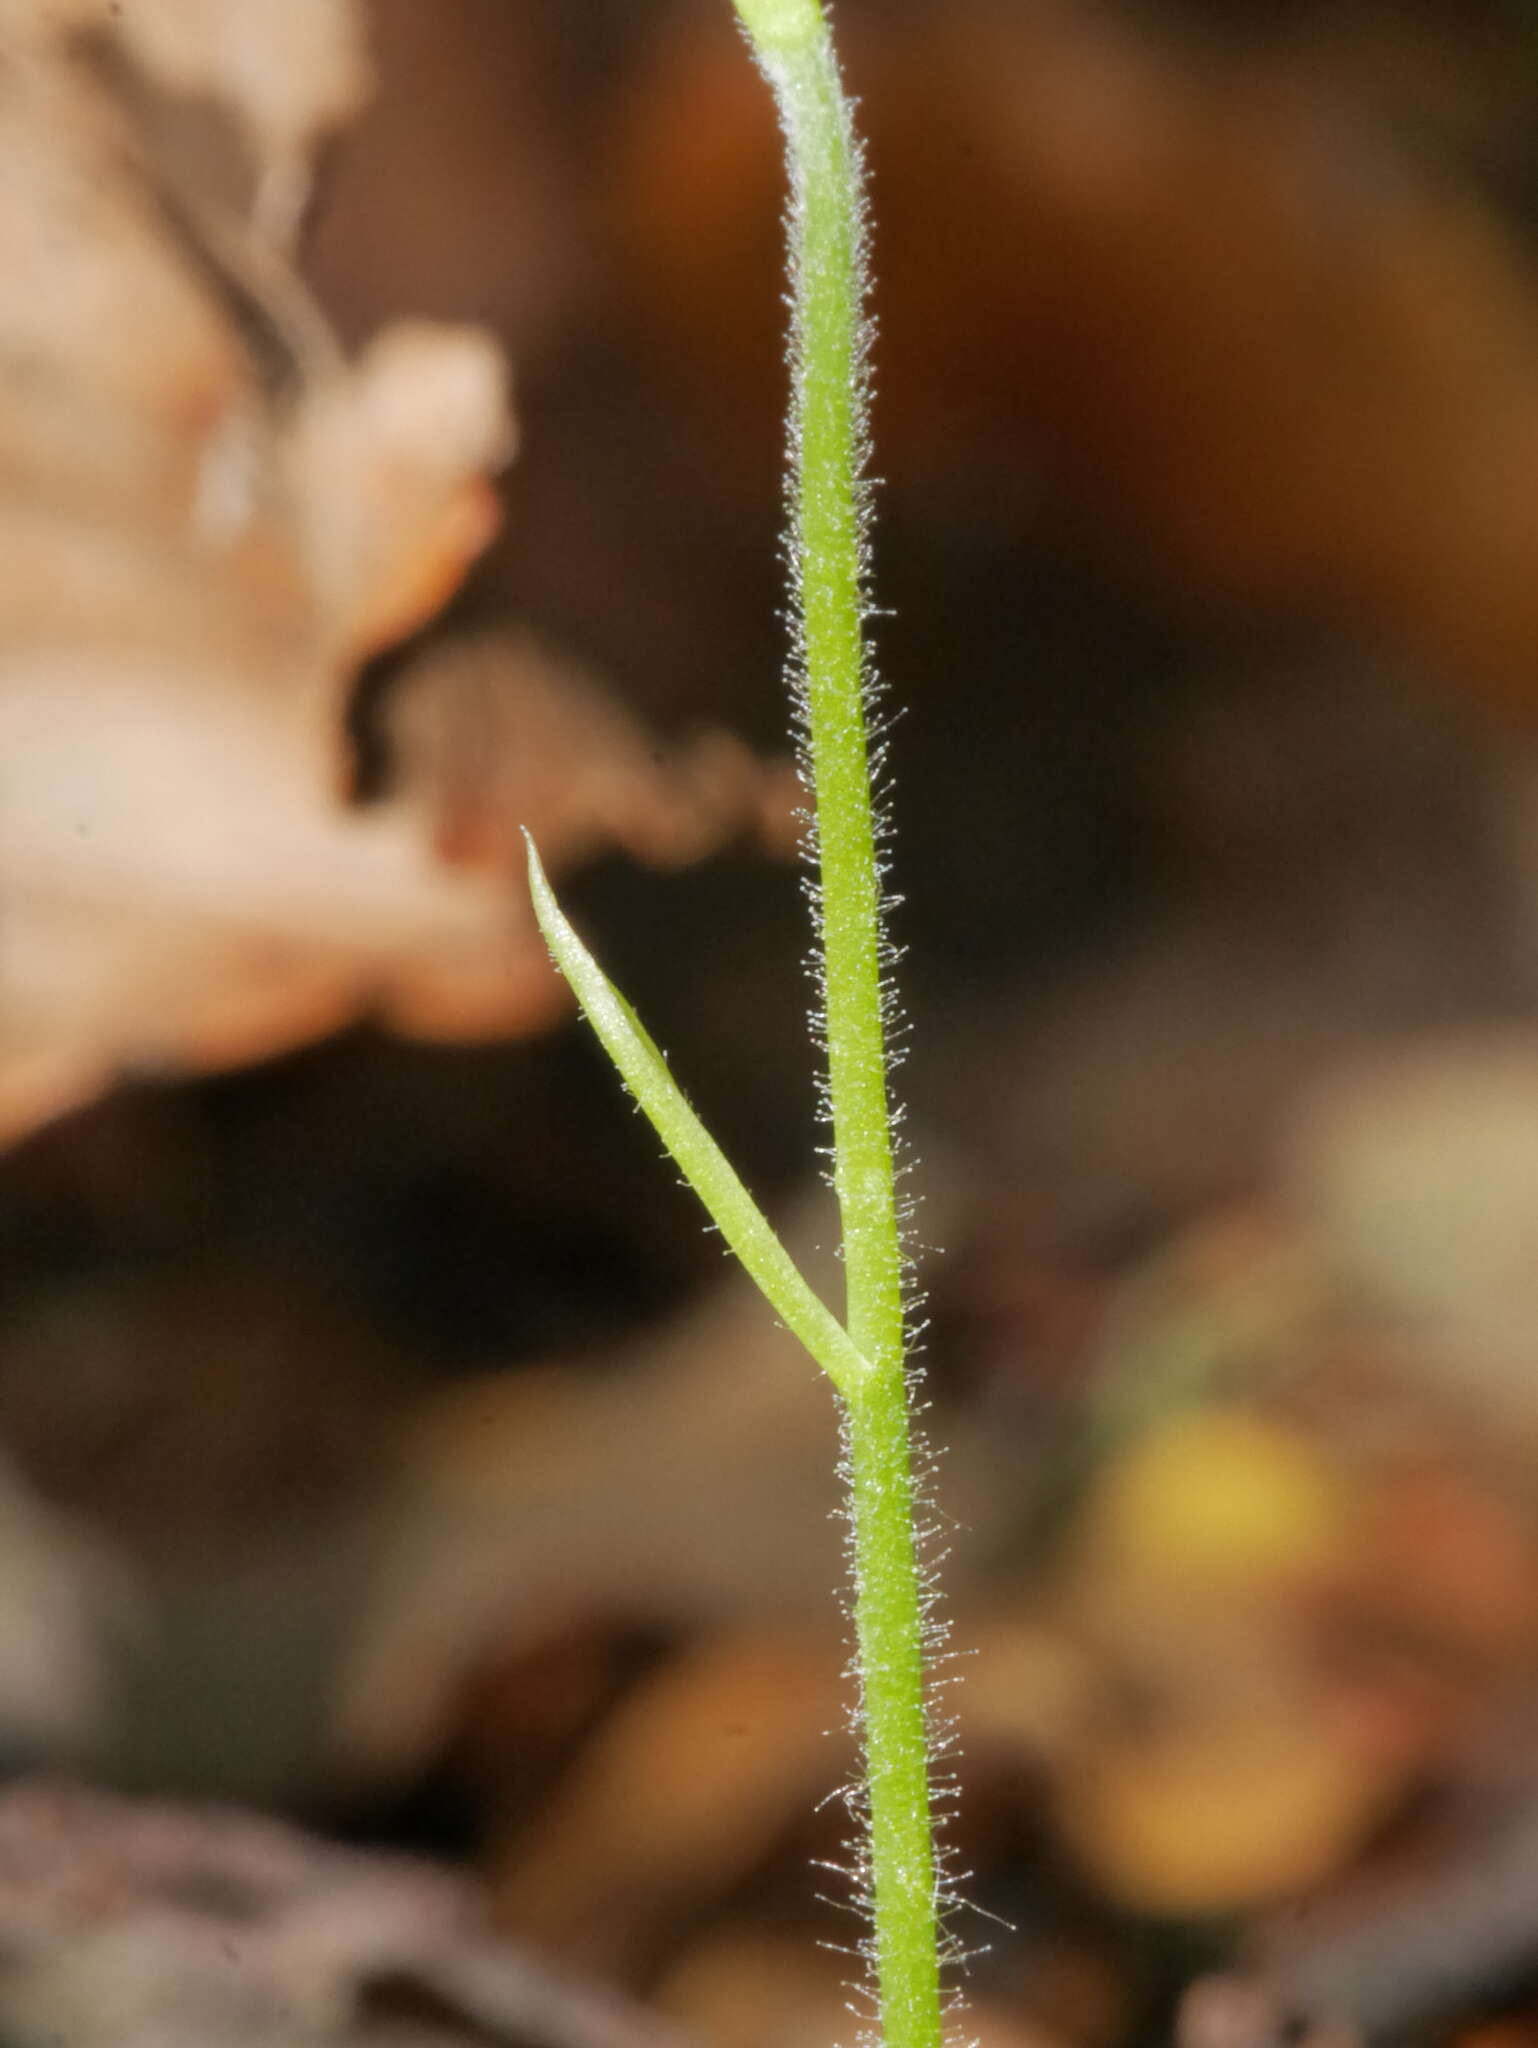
(290, 70)
(209, 520)
(494, 733)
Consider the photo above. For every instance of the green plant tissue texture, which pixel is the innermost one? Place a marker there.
(703, 1164)
(780, 24)
(900, 1877)
(865, 1355)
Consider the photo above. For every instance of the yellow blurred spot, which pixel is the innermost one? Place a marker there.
(1220, 1813)
(1225, 1494)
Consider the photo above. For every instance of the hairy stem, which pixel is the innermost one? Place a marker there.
(865, 1356)
(889, 1639)
(828, 547)
(828, 443)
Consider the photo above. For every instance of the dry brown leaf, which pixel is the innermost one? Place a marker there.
(208, 521)
(287, 74)
(680, 1796)
(492, 732)
(1223, 1811)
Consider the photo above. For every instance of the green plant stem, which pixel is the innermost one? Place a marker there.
(795, 51)
(828, 555)
(889, 1639)
(865, 1357)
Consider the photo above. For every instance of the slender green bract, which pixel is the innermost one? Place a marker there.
(865, 1355)
(703, 1164)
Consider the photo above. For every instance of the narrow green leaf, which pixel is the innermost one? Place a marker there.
(700, 1159)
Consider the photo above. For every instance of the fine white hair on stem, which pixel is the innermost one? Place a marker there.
(842, 729)
(902, 1885)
